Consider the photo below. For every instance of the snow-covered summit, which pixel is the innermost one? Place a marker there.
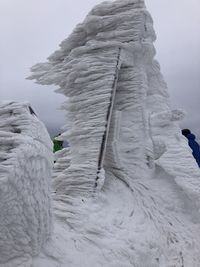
(129, 192)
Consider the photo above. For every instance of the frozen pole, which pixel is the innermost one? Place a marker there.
(108, 118)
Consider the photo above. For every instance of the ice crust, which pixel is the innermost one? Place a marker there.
(143, 210)
(25, 191)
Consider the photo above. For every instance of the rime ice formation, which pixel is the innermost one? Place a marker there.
(25, 196)
(129, 194)
(62, 162)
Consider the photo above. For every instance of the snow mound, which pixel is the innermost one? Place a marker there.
(25, 196)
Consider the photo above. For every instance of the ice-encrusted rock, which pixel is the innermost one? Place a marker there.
(25, 177)
(138, 203)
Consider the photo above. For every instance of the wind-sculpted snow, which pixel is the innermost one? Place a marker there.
(128, 192)
(25, 196)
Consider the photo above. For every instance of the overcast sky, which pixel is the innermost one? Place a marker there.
(32, 29)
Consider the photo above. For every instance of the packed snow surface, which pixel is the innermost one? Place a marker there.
(127, 192)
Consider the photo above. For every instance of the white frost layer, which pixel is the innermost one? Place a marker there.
(147, 211)
(25, 173)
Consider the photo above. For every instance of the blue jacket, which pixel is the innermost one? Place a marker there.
(195, 147)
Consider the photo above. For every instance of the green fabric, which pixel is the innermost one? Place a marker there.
(57, 145)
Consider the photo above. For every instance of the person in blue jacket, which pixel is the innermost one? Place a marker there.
(193, 144)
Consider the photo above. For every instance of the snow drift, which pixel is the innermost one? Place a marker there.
(25, 196)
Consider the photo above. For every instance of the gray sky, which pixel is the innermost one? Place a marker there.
(32, 29)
